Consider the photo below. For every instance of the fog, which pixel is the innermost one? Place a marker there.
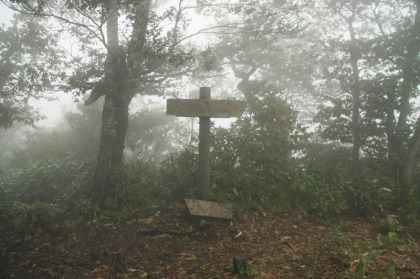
(152, 122)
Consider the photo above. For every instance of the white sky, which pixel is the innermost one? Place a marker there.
(5, 14)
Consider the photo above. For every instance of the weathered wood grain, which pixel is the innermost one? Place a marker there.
(204, 108)
(209, 209)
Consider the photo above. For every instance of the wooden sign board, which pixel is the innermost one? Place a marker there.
(204, 108)
(209, 209)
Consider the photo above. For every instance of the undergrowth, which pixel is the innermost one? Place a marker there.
(35, 196)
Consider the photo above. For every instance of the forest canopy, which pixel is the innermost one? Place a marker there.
(332, 87)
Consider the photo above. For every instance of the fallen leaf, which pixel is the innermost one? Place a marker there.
(238, 235)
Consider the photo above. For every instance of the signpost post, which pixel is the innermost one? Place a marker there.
(205, 108)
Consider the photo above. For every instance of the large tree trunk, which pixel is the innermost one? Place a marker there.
(404, 171)
(115, 112)
(122, 77)
(355, 92)
(114, 127)
(406, 168)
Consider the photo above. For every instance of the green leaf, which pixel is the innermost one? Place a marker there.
(374, 256)
(391, 269)
(235, 192)
(360, 269)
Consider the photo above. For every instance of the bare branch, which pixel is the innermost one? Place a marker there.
(206, 31)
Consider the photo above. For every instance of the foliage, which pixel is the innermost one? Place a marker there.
(255, 159)
(28, 217)
(250, 160)
(179, 174)
(73, 198)
(81, 131)
(42, 181)
(324, 184)
(335, 120)
(322, 195)
(376, 73)
(361, 267)
(153, 136)
(319, 183)
(9, 138)
(77, 135)
(136, 185)
(142, 184)
(30, 66)
(370, 195)
(391, 239)
(33, 196)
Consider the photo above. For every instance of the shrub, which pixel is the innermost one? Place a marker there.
(251, 160)
(32, 197)
(42, 181)
(27, 217)
(135, 185)
(371, 195)
(179, 174)
(320, 194)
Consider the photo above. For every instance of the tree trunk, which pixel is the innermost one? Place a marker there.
(355, 91)
(115, 113)
(407, 165)
(114, 127)
(404, 171)
(244, 85)
(120, 84)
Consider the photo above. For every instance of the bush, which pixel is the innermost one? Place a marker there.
(251, 160)
(136, 185)
(320, 180)
(370, 194)
(32, 197)
(319, 194)
(179, 174)
(27, 217)
(324, 184)
(42, 181)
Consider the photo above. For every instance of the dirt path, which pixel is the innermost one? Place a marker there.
(168, 243)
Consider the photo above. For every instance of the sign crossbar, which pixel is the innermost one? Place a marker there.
(205, 108)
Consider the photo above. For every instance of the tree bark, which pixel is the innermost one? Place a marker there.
(355, 92)
(404, 171)
(115, 112)
(120, 84)
(110, 157)
(407, 165)
(244, 85)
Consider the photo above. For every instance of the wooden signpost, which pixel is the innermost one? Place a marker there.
(209, 209)
(205, 108)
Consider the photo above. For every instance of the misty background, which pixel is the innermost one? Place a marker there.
(331, 87)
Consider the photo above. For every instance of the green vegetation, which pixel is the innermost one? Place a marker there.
(249, 169)
(331, 128)
(252, 166)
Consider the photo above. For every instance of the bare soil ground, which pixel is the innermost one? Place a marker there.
(169, 243)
